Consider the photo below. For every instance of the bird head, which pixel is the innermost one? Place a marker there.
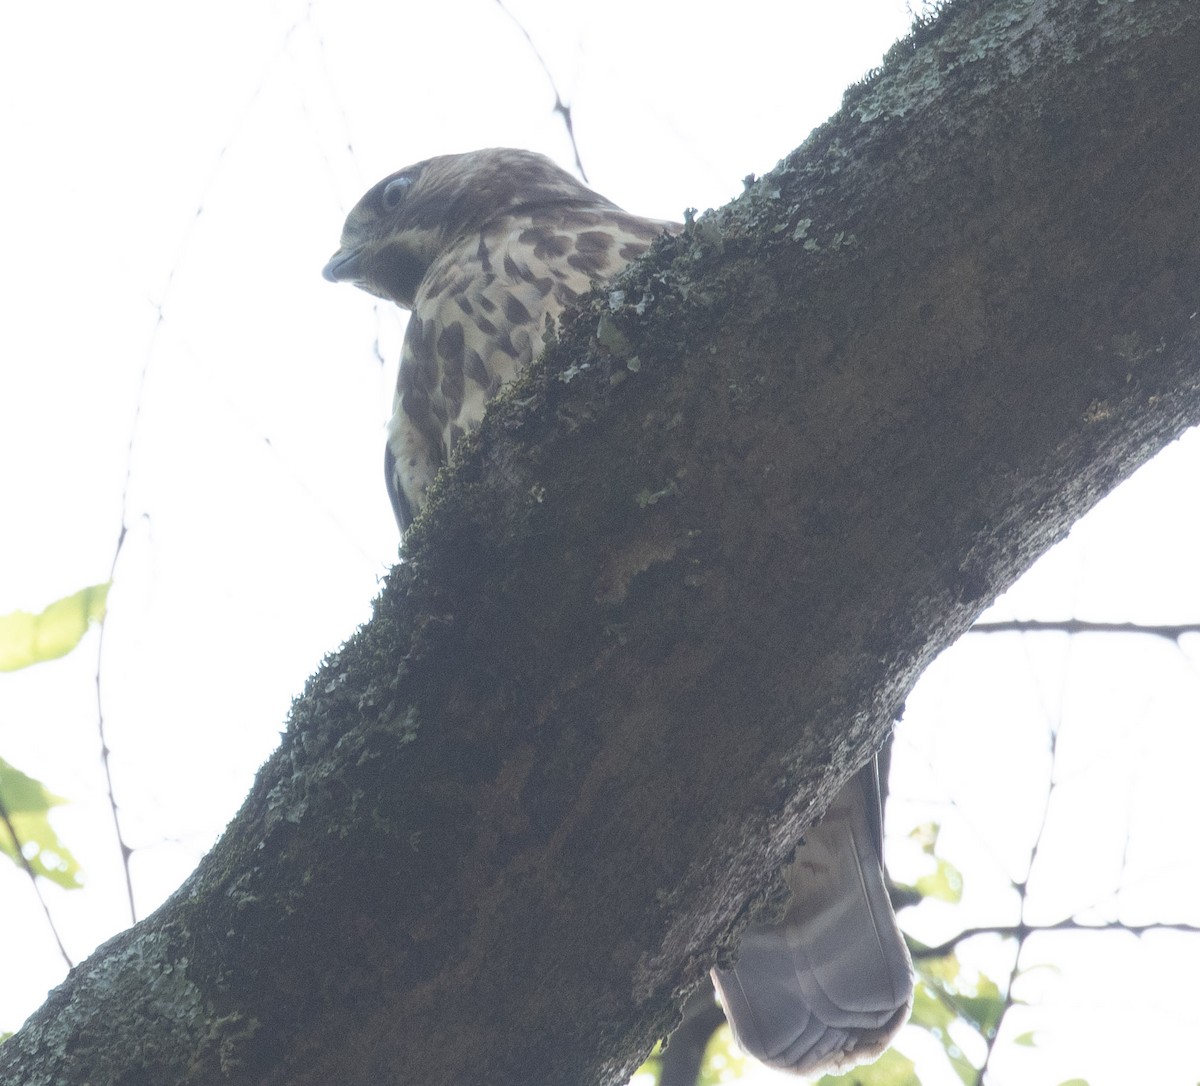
(407, 220)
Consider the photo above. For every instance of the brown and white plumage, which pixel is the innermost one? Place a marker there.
(486, 249)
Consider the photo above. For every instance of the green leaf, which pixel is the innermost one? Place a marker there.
(930, 1011)
(942, 972)
(1074, 1082)
(27, 803)
(935, 1009)
(722, 1061)
(982, 1005)
(891, 1069)
(30, 639)
(944, 883)
(972, 997)
(1029, 1040)
(931, 1014)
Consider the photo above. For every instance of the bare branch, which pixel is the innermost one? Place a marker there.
(560, 107)
(1022, 932)
(33, 881)
(1172, 632)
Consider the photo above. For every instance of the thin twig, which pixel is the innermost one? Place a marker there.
(1078, 626)
(560, 107)
(1022, 932)
(12, 830)
(1022, 888)
(123, 532)
(105, 749)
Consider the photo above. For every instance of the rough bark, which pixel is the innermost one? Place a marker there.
(684, 580)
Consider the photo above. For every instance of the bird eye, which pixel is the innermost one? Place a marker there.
(393, 192)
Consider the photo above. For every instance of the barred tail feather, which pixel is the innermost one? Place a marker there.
(830, 985)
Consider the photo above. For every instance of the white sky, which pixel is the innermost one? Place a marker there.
(177, 176)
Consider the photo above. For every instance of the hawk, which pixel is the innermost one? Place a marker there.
(485, 250)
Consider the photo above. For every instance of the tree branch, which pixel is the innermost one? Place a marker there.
(1171, 632)
(1023, 931)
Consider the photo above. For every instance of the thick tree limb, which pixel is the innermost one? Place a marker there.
(685, 580)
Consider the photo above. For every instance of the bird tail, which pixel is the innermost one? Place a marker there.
(829, 985)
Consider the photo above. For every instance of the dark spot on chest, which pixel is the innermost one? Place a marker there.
(450, 345)
(515, 311)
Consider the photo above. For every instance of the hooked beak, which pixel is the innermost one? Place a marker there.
(343, 265)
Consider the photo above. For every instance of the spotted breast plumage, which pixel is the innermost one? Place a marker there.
(486, 249)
